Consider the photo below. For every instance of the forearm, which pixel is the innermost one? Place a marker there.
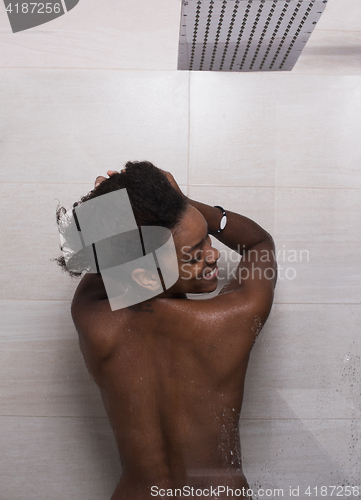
(240, 233)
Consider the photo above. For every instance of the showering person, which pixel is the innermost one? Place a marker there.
(171, 370)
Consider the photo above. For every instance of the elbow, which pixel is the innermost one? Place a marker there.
(269, 241)
(271, 258)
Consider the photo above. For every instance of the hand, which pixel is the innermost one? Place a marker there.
(172, 181)
(100, 178)
(169, 176)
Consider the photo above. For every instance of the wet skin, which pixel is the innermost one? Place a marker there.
(171, 370)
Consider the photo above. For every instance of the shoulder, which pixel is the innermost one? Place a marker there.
(97, 325)
(236, 306)
(89, 300)
(227, 324)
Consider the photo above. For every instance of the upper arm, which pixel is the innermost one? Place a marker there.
(255, 279)
(90, 311)
(243, 305)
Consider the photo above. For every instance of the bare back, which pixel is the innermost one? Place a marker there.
(171, 374)
(171, 370)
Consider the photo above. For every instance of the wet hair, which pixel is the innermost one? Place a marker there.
(154, 200)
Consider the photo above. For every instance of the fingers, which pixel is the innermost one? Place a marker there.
(101, 178)
(98, 180)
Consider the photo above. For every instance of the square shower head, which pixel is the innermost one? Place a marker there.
(245, 35)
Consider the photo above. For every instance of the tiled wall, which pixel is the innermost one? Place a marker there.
(99, 86)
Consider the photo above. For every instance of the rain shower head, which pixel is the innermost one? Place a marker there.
(245, 35)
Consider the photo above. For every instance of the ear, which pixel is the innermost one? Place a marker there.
(146, 279)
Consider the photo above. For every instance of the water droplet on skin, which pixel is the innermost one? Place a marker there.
(346, 358)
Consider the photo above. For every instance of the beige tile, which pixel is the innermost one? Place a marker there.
(341, 441)
(47, 378)
(275, 130)
(42, 371)
(283, 453)
(27, 321)
(318, 272)
(330, 52)
(126, 35)
(71, 125)
(318, 215)
(231, 130)
(51, 458)
(342, 15)
(317, 238)
(316, 122)
(306, 364)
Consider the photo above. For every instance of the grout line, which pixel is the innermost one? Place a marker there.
(40, 300)
(172, 70)
(273, 187)
(53, 416)
(317, 303)
(341, 31)
(88, 69)
(284, 418)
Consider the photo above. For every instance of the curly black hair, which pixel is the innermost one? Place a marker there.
(154, 200)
